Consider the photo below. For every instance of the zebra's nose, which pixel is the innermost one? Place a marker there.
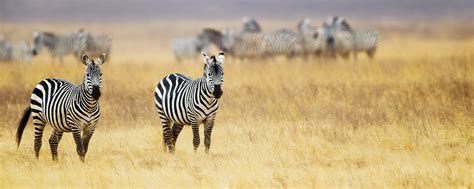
(217, 91)
(96, 92)
(330, 40)
(34, 52)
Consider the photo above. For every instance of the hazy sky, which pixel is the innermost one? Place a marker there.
(106, 10)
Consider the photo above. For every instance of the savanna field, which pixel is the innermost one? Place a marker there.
(404, 119)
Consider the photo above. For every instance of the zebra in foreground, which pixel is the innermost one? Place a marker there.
(60, 45)
(189, 47)
(67, 108)
(182, 101)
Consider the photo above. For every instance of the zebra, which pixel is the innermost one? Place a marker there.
(189, 47)
(339, 23)
(283, 42)
(250, 26)
(24, 51)
(60, 45)
(96, 44)
(6, 49)
(67, 108)
(311, 42)
(365, 40)
(181, 101)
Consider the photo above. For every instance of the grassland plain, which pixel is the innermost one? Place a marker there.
(404, 119)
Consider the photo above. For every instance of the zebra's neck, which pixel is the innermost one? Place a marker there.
(207, 96)
(85, 100)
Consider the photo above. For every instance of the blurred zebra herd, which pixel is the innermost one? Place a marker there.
(58, 45)
(335, 38)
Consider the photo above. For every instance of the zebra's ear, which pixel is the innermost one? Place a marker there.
(102, 58)
(85, 59)
(221, 58)
(205, 58)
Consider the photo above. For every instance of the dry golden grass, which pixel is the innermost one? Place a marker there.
(403, 120)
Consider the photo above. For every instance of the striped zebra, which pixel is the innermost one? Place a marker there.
(60, 45)
(96, 44)
(189, 47)
(311, 42)
(250, 26)
(365, 40)
(182, 101)
(67, 108)
(339, 23)
(6, 49)
(283, 42)
(24, 51)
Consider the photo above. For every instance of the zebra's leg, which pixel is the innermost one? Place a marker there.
(371, 53)
(167, 135)
(176, 130)
(76, 133)
(39, 127)
(208, 125)
(86, 138)
(53, 143)
(355, 55)
(196, 139)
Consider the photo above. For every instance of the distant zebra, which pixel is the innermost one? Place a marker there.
(6, 49)
(60, 45)
(250, 26)
(25, 51)
(311, 42)
(182, 101)
(240, 45)
(97, 44)
(339, 23)
(283, 42)
(189, 47)
(67, 108)
(365, 40)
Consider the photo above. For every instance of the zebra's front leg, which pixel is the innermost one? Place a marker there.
(196, 139)
(53, 143)
(85, 140)
(208, 125)
(79, 148)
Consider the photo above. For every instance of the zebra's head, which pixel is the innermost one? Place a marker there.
(93, 75)
(36, 43)
(214, 73)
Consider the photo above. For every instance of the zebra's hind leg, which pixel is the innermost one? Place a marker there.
(53, 143)
(39, 127)
(176, 130)
(208, 125)
(167, 135)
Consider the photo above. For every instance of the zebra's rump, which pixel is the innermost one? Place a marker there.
(48, 99)
(170, 100)
(365, 39)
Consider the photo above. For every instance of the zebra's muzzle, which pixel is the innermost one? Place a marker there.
(96, 92)
(217, 91)
(34, 52)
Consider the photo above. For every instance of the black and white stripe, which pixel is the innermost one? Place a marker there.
(60, 45)
(67, 108)
(182, 101)
(283, 42)
(96, 44)
(311, 42)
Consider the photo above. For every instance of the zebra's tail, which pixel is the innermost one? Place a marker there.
(22, 125)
